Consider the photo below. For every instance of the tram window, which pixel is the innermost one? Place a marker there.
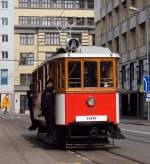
(90, 74)
(74, 74)
(106, 74)
(60, 75)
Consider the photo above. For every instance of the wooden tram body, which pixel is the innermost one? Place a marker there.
(86, 95)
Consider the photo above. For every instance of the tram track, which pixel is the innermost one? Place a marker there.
(136, 140)
(78, 154)
(23, 124)
(129, 158)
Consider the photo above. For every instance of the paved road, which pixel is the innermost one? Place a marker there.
(19, 146)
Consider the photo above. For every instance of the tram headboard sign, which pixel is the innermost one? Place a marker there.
(73, 44)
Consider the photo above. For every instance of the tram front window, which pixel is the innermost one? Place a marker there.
(90, 74)
(106, 74)
(74, 74)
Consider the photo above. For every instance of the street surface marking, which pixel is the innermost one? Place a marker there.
(134, 131)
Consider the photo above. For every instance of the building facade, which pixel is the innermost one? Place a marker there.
(41, 27)
(6, 52)
(123, 26)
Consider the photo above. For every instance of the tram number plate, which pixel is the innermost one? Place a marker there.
(91, 118)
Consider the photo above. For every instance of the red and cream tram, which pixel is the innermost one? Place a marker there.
(86, 95)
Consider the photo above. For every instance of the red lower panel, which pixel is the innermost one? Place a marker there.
(76, 105)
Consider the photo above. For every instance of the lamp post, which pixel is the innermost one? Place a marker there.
(147, 45)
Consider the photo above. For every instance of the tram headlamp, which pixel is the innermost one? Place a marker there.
(91, 101)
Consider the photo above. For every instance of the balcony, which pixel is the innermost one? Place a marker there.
(124, 27)
(56, 5)
(143, 51)
(109, 6)
(21, 88)
(122, 1)
(142, 16)
(115, 3)
(132, 22)
(103, 10)
(110, 35)
(123, 58)
(116, 31)
(103, 38)
(132, 54)
(54, 22)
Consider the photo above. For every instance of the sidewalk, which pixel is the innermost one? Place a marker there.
(135, 121)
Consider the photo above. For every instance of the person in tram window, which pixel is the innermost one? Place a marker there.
(47, 105)
(30, 106)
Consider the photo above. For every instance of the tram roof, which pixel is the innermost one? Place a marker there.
(85, 52)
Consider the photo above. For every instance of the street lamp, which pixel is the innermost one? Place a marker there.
(133, 8)
(147, 42)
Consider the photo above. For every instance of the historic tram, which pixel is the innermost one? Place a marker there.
(86, 96)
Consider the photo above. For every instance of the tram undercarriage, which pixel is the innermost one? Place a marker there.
(81, 134)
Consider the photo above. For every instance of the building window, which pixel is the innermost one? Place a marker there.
(116, 15)
(26, 58)
(54, 21)
(81, 4)
(124, 11)
(4, 4)
(124, 43)
(116, 44)
(143, 34)
(123, 76)
(80, 21)
(132, 75)
(93, 39)
(69, 21)
(4, 54)
(90, 4)
(52, 38)
(110, 45)
(133, 39)
(133, 3)
(4, 76)
(90, 21)
(110, 21)
(57, 3)
(4, 21)
(24, 20)
(4, 38)
(68, 3)
(141, 71)
(26, 39)
(25, 79)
